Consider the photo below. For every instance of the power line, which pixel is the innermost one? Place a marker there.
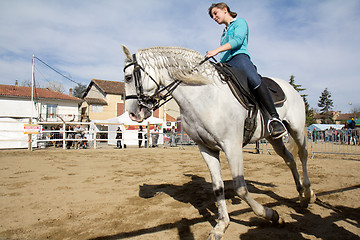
(56, 71)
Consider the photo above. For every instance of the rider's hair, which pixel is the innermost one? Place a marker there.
(221, 6)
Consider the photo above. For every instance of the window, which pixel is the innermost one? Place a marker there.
(51, 111)
(97, 108)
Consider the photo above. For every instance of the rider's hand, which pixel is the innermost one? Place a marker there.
(211, 53)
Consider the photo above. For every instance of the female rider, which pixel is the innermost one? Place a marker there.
(233, 50)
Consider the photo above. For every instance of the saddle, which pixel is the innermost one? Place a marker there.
(238, 84)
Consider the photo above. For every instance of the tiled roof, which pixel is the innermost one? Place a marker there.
(110, 87)
(25, 92)
(98, 101)
(345, 116)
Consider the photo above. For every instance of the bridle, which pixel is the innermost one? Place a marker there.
(158, 98)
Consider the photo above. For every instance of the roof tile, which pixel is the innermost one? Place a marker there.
(25, 92)
(110, 87)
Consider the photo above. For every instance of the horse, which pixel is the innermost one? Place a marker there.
(207, 109)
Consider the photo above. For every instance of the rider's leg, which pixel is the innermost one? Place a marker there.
(261, 92)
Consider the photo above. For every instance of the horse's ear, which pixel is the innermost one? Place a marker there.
(127, 53)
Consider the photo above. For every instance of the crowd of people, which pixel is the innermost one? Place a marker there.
(76, 136)
(347, 135)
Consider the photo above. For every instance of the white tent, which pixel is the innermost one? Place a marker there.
(12, 133)
(130, 137)
(322, 127)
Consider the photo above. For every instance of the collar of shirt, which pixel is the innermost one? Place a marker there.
(227, 27)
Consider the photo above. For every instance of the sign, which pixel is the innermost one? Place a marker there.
(137, 127)
(31, 128)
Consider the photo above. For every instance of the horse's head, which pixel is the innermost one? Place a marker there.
(140, 88)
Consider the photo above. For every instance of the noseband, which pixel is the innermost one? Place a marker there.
(158, 98)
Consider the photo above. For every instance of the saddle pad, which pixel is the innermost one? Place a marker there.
(237, 81)
(276, 91)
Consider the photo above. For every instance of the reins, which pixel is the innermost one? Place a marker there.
(153, 101)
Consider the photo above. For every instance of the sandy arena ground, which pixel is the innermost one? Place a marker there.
(166, 194)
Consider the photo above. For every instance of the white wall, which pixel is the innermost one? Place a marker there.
(10, 107)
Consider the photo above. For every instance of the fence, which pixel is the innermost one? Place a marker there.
(334, 141)
(66, 135)
(345, 142)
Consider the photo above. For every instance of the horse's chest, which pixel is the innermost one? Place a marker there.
(198, 132)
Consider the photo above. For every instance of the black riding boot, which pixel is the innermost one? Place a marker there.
(275, 126)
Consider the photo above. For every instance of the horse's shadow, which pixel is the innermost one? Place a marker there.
(199, 194)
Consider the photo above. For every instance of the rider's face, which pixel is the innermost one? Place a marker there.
(218, 15)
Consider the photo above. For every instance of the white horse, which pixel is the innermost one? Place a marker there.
(208, 108)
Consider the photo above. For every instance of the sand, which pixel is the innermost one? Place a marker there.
(166, 194)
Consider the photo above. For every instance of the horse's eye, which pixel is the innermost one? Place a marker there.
(128, 78)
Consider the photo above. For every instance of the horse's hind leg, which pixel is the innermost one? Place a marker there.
(281, 150)
(307, 196)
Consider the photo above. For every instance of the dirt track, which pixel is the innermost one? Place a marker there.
(166, 194)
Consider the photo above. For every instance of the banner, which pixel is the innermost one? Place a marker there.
(137, 127)
(31, 128)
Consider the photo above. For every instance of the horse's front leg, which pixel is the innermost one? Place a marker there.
(235, 158)
(211, 158)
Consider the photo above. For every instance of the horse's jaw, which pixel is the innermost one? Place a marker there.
(141, 115)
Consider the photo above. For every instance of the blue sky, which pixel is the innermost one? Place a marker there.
(316, 41)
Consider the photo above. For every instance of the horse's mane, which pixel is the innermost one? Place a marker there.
(181, 63)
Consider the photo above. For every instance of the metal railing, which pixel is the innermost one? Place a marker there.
(332, 141)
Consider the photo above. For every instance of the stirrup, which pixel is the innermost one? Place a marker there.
(281, 123)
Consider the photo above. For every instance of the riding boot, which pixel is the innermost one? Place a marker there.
(275, 126)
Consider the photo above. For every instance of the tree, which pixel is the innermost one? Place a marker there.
(55, 86)
(79, 90)
(310, 116)
(27, 83)
(326, 104)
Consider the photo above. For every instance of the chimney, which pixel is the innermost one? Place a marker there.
(70, 91)
(16, 83)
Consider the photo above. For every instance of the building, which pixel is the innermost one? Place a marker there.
(48, 105)
(105, 99)
(17, 108)
(338, 117)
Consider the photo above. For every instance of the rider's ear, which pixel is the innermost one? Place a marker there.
(127, 53)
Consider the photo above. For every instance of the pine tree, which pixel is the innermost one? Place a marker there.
(310, 118)
(326, 104)
(79, 90)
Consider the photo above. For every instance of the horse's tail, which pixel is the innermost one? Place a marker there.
(293, 147)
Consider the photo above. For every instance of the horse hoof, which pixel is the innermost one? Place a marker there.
(276, 219)
(305, 199)
(304, 203)
(214, 236)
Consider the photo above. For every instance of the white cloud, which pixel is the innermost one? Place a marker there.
(315, 41)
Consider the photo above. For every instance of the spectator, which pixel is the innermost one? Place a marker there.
(173, 133)
(79, 131)
(140, 136)
(352, 124)
(119, 138)
(69, 135)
